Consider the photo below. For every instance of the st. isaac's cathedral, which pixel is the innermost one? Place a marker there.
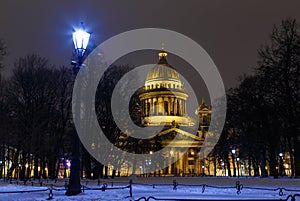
(164, 103)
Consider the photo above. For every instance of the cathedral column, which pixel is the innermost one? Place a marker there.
(165, 165)
(175, 106)
(184, 107)
(170, 162)
(166, 110)
(143, 108)
(177, 163)
(155, 106)
(151, 107)
(180, 107)
(172, 106)
(158, 105)
(186, 161)
(169, 106)
(181, 164)
(161, 105)
(146, 112)
(197, 164)
(183, 159)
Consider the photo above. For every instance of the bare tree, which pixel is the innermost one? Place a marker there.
(35, 96)
(264, 108)
(279, 66)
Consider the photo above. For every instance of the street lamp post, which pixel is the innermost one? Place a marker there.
(80, 39)
(233, 161)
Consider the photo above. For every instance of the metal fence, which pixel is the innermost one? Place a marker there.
(51, 188)
(284, 193)
(289, 197)
(238, 187)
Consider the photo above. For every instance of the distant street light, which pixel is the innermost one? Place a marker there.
(81, 39)
(233, 151)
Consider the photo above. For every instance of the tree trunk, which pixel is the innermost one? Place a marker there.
(249, 165)
(255, 168)
(228, 166)
(43, 169)
(105, 172)
(215, 166)
(297, 156)
(273, 171)
(101, 171)
(36, 170)
(263, 163)
(81, 167)
(113, 174)
(15, 163)
(291, 157)
(52, 168)
(22, 172)
(87, 164)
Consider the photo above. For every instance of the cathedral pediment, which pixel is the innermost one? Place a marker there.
(182, 134)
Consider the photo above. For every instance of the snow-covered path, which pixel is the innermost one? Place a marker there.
(162, 187)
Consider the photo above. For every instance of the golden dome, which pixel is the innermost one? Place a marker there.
(164, 98)
(162, 71)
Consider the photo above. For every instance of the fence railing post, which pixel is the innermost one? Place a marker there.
(50, 193)
(238, 187)
(175, 184)
(203, 188)
(130, 188)
(66, 185)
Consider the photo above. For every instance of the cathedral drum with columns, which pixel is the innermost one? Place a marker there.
(163, 100)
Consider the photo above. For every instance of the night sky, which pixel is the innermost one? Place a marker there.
(230, 31)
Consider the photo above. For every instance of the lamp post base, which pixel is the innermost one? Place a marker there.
(73, 191)
(74, 187)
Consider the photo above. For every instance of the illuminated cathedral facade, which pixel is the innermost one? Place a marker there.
(163, 103)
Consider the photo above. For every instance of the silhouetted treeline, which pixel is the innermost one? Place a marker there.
(35, 122)
(263, 118)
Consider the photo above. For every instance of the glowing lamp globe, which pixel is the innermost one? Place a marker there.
(233, 151)
(81, 40)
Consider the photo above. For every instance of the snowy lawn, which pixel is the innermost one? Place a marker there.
(160, 187)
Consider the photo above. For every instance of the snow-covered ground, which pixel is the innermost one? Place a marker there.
(160, 187)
